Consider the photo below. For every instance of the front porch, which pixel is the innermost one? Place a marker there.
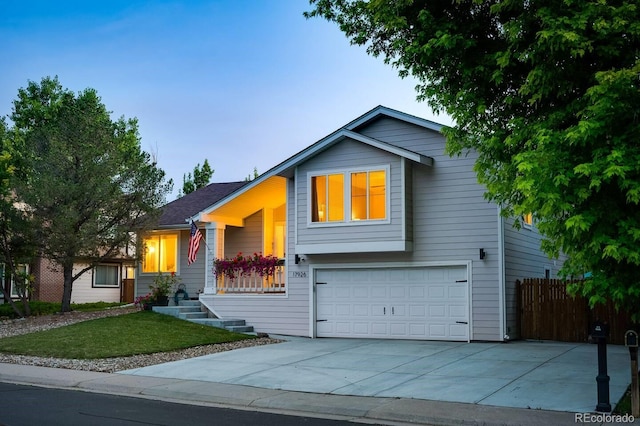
(254, 222)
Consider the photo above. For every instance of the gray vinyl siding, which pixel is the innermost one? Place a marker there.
(350, 155)
(447, 218)
(192, 276)
(451, 221)
(247, 239)
(275, 314)
(523, 259)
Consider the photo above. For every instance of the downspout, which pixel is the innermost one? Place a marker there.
(501, 278)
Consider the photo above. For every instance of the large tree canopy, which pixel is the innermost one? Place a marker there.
(89, 187)
(547, 93)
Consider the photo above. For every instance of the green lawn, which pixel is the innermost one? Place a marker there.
(141, 332)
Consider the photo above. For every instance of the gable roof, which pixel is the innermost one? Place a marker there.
(348, 131)
(175, 213)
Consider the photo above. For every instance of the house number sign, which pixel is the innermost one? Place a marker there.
(298, 274)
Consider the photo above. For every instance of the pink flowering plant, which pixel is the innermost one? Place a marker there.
(240, 265)
(140, 301)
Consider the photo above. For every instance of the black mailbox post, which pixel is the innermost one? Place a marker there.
(631, 341)
(600, 332)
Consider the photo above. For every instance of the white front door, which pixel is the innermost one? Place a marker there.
(427, 303)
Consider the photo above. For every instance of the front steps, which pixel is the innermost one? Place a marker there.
(190, 310)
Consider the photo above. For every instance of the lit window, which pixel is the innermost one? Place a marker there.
(327, 198)
(106, 275)
(160, 253)
(527, 220)
(368, 195)
(365, 193)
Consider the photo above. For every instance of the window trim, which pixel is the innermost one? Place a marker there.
(158, 234)
(347, 172)
(118, 276)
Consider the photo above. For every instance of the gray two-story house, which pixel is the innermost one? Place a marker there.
(379, 232)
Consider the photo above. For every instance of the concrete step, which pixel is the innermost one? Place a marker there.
(193, 315)
(176, 311)
(240, 328)
(220, 323)
(190, 310)
(235, 325)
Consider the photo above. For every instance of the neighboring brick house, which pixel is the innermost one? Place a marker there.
(110, 281)
(48, 283)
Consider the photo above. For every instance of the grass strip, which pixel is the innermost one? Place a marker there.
(137, 333)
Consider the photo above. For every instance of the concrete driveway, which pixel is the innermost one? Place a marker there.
(537, 375)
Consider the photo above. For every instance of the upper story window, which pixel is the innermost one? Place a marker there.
(349, 196)
(106, 275)
(369, 195)
(160, 253)
(327, 198)
(527, 220)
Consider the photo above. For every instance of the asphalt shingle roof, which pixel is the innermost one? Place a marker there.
(175, 212)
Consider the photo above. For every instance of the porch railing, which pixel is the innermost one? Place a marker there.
(252, 283)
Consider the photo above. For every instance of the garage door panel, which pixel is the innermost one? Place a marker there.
(341, 292)
(458, 330)
(361, 310)
(376, 291)
(398, 310)
(343, 328)
(398, 292)
(342, 310)
(437, 311)
(417, 311)
(399, 329)
(378, 329)
(437, 331)
(457, 311)
(413, 303)
(417, 292)
(457, 292)
(417, 330)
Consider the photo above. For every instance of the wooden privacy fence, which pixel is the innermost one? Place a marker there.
(547, 312)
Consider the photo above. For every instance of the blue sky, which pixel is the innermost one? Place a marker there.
(242, 83)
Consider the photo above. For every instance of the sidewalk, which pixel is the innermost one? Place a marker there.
(340, 407)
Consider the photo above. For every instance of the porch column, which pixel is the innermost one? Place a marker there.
(215, 245)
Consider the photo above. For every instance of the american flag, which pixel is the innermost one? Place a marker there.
(194, 243)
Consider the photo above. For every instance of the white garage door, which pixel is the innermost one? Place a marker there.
(394, 303)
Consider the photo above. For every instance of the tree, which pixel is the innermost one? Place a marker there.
(547, 94)
(17, 242)
(200, 179)
(89, 187)
(252, 176)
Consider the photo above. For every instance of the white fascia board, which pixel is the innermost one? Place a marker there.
(363, 247)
